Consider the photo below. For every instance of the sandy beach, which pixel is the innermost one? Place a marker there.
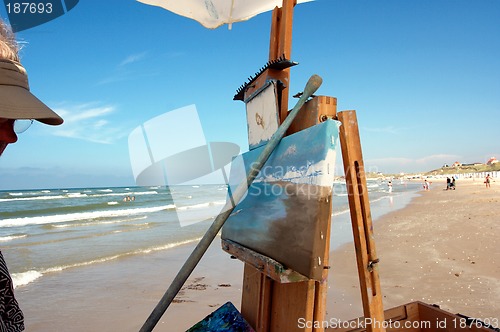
(440, 249)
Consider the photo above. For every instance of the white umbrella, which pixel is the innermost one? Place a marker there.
(214, 13)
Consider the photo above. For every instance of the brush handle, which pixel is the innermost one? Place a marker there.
(312, 85)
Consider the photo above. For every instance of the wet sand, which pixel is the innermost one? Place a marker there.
(440, 249)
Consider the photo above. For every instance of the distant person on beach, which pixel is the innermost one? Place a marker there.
(452, 185)
(426, 185)
(487, 181)
(448, 183)
(389, 184)
(18, 109)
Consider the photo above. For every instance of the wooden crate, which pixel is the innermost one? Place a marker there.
(417, 316)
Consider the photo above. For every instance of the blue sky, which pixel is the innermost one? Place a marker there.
(423, 76)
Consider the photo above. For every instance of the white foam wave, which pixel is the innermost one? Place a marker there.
(338, 213)
(40, 220)
(24, 278)
(12, 237)
(166, 246)
(76, 195)
(127, 194)
(31, 198)
(201, 205)
(112, 203)
(381, 198)
(195, 206)
(98, 223)
(15, 194)
(73, 195)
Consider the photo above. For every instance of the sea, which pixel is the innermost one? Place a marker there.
(43, 232)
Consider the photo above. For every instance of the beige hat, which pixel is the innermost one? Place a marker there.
(16, 100)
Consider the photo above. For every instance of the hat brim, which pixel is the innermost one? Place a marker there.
(16, 100)
(19, 103)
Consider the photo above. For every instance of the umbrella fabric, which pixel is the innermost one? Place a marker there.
(214, 13)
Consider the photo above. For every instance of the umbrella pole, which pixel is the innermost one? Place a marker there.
(312, 85)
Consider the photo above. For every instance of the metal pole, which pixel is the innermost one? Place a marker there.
(312, 85)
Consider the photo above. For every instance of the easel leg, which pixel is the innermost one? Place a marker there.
(270, 306)
(256, 298)
(361, 220)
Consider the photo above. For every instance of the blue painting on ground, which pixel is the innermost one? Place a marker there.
(225, 319)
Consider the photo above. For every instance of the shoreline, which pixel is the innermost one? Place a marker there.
(120, 294)
(450, 261)
(344, 298)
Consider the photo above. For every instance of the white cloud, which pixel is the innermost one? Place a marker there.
(79, 112)
(88, 122)
(121, 72)
(133, 58)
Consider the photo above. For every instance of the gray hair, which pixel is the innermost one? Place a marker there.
(9, 49)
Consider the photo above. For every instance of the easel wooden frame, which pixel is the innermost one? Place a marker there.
(270, 300)
(275, 298)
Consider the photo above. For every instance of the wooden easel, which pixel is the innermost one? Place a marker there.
(274, 298)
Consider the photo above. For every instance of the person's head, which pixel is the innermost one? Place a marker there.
(16, 101)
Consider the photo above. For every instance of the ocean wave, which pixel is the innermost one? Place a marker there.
(24, 278)
(383, 197)
(76, 195)
(12, 237)
(97, 223)
(338, 213)
(31, 198)
(200, 206)
(139, 193)
(53, 219)
(16, 196)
